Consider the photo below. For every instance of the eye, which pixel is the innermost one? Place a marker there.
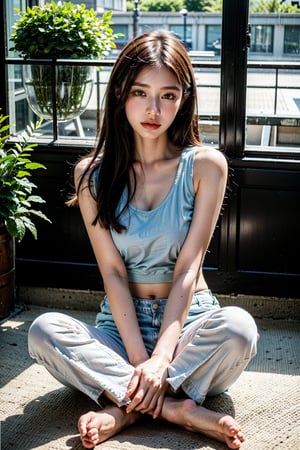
(169, 96)
(138, 93)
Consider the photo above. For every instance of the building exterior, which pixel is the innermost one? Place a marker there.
(103, 5)
(273, 36)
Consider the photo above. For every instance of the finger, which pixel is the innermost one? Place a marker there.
(149, 409)
(159, 406)
(156, 405)
(136, 400)
(133, 384)
(148, 403)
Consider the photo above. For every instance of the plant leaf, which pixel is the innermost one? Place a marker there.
(15, 188)
(16, 228)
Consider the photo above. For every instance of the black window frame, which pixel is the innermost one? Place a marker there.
(233, 77)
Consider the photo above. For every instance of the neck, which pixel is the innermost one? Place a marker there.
(148, 151)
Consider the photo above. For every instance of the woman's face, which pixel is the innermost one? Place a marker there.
(154, 99)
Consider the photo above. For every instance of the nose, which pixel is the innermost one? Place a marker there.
(153, 109)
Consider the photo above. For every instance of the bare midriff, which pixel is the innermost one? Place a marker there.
(160, 290)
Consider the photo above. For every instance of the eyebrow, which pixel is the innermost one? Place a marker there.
(174, 88)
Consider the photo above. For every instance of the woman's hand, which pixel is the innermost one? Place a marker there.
(148, 386)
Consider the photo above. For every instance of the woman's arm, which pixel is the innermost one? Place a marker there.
(113, 273)
(210, 178)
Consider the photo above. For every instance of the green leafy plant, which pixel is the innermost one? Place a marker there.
(273, 6)
(16, 198)
(62, 30)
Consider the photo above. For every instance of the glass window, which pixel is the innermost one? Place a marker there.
(273, 107)
(83, 126)
(119, 5)
(213, 38)
(12, 16)
(89, 3)
(183, 32)
(273, 84)
(208, 88)
(292, 39)
(101, 5)
(262, 38)
(18, 108)
(122, 40)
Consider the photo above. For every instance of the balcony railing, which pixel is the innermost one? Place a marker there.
(273, 93)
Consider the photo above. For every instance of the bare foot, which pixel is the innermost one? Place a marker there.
(96, 427)
(193, 417)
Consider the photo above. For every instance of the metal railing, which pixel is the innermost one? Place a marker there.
(261, 118)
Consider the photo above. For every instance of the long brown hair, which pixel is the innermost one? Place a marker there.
(115, 143)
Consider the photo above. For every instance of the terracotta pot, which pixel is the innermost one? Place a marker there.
(7, 274)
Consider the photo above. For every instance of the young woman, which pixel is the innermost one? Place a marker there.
(150, 196)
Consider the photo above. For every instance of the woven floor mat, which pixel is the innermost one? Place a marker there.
(38, 413)
(266, 406)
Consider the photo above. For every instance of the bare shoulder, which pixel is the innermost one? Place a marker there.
(209, 155)
(83, 167)
(209, 159)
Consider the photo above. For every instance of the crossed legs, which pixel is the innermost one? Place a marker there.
(226, 342)
(97, 427)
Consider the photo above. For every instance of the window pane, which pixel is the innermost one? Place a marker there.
(183, 33)
(12, 16)
(273, 92)
(213, 38)
(82, 127)
(262, 39)
(202, 37)
(21, 113)
(18, 108)
(292, 39)
(273, 107)
(208, 82)
(122, 40)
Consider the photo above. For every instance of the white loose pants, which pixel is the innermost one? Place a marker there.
(215, 346)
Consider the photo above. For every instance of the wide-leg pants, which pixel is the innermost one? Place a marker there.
(214, 347)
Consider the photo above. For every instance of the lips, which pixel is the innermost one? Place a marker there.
(150, 125)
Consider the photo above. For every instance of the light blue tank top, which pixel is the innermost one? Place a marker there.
(153, 239)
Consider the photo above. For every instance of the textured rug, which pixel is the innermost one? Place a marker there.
(38, 413)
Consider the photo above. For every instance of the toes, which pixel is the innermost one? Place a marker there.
(235, 441)
(240, 436)
(84, 420)
(87, 443)
(230, 427)
(88, 429)
(233, 430)
(93, 433)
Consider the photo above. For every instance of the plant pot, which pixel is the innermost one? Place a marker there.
(7, 274)
(74, 85)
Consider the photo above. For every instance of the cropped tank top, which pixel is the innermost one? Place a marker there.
(151, 243)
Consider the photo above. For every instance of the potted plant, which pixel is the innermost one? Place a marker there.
(54, 31)
(16, 205)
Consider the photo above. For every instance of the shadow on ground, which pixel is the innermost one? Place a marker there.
(49, 418)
